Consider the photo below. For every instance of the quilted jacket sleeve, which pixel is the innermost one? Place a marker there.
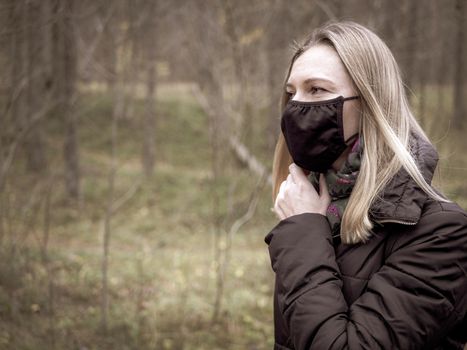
(413, 300)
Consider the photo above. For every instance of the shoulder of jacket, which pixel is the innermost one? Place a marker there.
(438, 208)
(439, 221)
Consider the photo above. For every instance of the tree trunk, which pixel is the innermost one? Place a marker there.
(150, 116)
(34, 30)
(460, 72)
(17, 72)
(276, 47)
(65, 64)
(113, 85)
(70, 75)
(243, 124)
(412, 43)
(206, 39)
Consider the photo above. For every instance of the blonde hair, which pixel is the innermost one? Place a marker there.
(386, 121)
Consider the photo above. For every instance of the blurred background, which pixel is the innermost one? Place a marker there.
(136, 145)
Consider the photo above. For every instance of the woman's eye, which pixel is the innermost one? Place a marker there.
(316, 89)
(290, 93)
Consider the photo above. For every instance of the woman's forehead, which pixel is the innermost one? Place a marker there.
(319, 62)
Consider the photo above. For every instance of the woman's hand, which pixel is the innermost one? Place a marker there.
(297, 195)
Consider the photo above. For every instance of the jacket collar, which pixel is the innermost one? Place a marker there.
(402, 199)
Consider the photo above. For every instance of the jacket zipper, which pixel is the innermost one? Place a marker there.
(397, 222)
(409, 223)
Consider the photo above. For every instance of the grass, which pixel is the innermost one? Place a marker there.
(162, 270)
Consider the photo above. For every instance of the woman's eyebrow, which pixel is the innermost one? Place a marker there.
(312, 80)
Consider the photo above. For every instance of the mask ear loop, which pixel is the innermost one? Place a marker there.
(351, 98)
(352, 138)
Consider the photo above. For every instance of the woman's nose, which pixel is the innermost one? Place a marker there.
(299, 96)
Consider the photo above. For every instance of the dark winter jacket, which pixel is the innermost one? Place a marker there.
(406, 288)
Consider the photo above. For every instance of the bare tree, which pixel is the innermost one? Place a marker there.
(460, 71)
(278, 41)
(114, 203)
(116, 94)
(26, 33)
(48, 189)
(65, 67)
(411, 52)
(150, 113)
(35, 31)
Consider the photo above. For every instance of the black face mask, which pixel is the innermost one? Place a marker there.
(314, 132)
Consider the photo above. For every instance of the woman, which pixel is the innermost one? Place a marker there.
(367, 255)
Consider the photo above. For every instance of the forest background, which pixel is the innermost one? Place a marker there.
(136, 143)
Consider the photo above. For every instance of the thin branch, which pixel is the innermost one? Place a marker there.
(251, 208)
(126, 196)
(36, 117)
(240, 150)
(245, 156)
(230, 234)
(100, 29)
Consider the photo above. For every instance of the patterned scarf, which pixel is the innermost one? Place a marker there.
(340, 184)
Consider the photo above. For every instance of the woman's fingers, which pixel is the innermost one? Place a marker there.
(278, 208)
(282, 188)
(323, 188)
(297, 195)
(280, 197)
(279, 212)
(282, 210)
(296, 173)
